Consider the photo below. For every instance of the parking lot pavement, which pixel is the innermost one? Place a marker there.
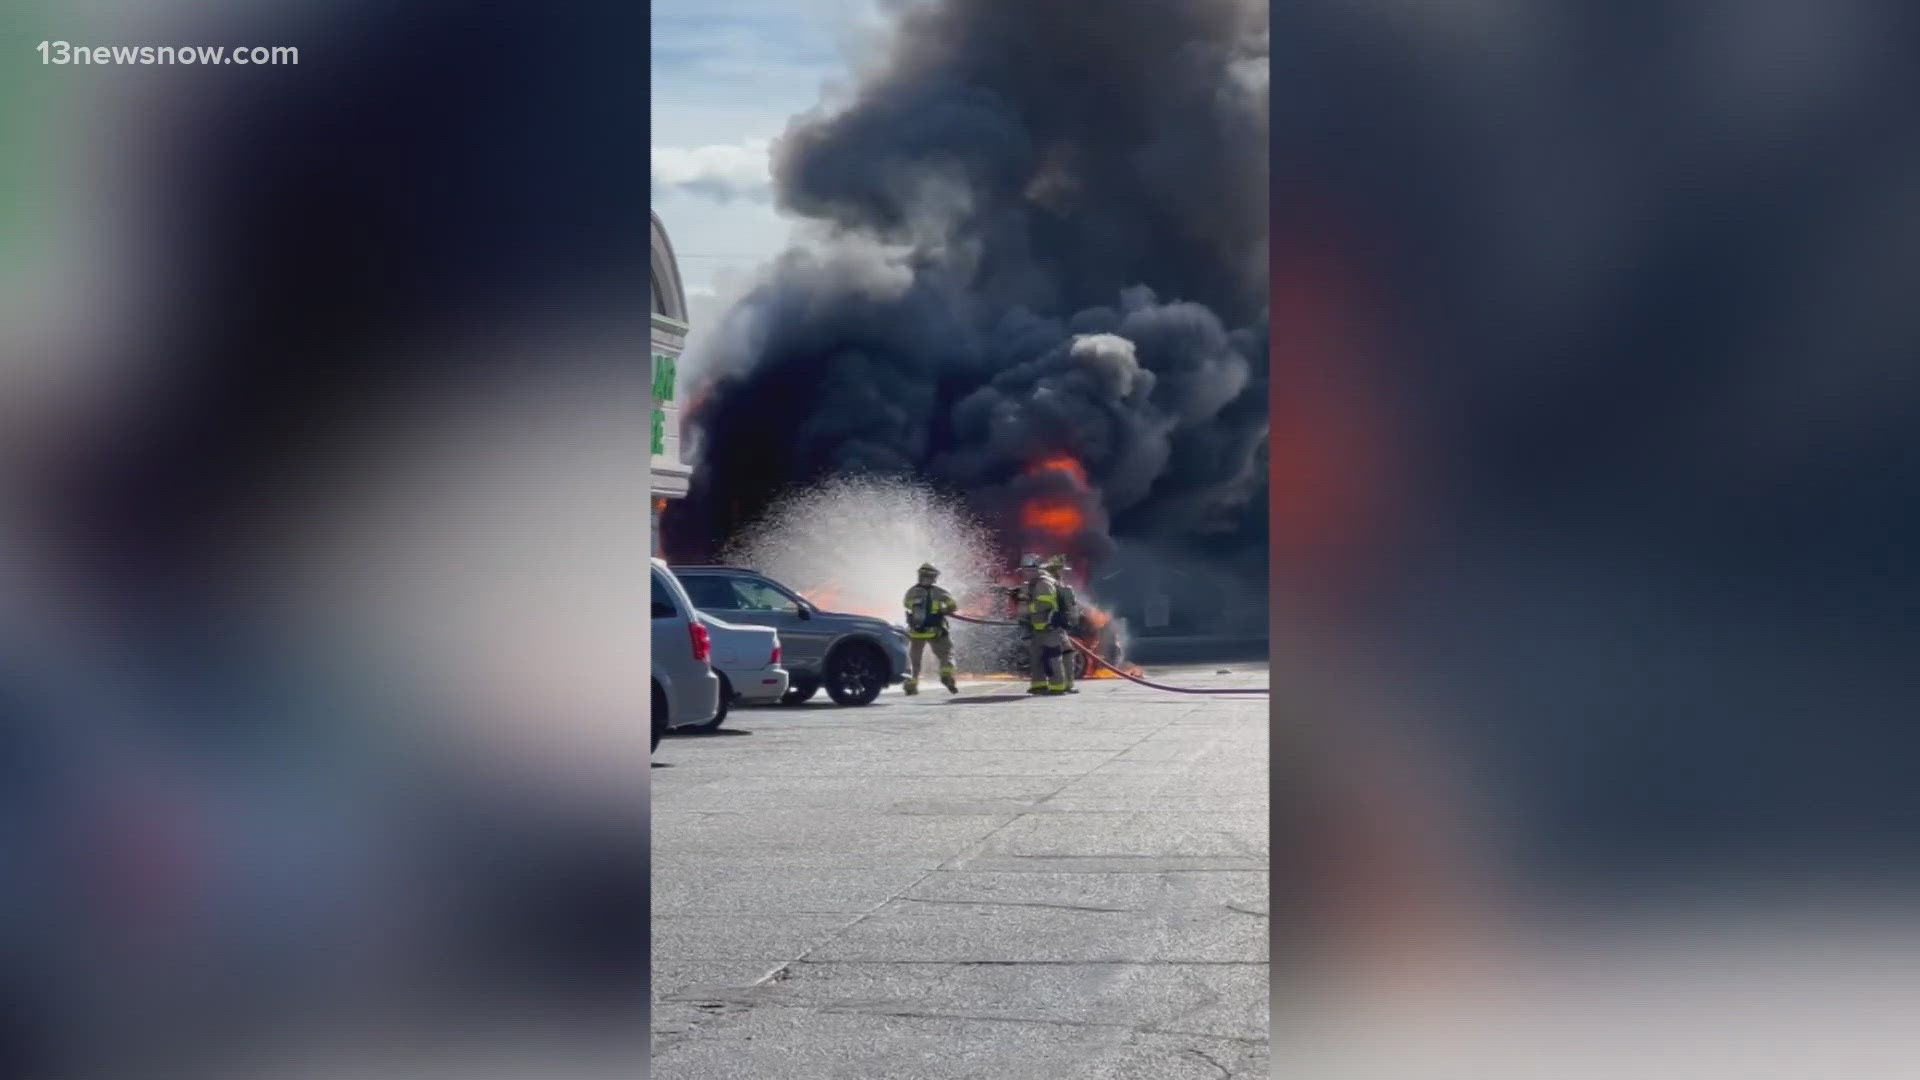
(977, 886)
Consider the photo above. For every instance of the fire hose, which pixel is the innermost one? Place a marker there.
(1098, 659)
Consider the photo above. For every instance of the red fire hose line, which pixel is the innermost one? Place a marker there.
(1096, 658)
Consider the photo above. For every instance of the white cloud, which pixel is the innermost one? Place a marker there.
(727, 77)
(724, 172)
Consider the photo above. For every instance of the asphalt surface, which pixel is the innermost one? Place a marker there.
(981, 886)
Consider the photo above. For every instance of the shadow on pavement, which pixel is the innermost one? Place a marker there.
(714, 734)
(985, 699)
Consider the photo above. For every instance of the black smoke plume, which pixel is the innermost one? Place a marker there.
(1035, 230)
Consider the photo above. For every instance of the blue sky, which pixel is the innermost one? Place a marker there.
(727, 77)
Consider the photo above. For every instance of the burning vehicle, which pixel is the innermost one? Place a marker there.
(1095, 628)
(1054, 516)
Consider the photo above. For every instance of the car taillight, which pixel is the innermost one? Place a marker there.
(775, 662)
(702, 644)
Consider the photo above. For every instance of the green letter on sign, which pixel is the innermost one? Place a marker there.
(663, 377)
(659, 431)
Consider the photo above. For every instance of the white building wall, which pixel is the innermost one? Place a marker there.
(669, 473)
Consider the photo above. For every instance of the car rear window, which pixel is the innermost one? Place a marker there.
(663, 605)
(710, 593)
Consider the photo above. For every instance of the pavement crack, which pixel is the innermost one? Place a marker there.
(779, 974)
(1174, 962)
(863, 1009)
(935, 772)
(1018, 903)
(1208, 1058)
(712, 1011)
(870, 912)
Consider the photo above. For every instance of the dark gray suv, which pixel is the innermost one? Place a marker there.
(853, 657)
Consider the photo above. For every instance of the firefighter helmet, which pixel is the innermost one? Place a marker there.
(929, 570)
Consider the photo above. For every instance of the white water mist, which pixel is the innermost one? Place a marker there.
(855, 544)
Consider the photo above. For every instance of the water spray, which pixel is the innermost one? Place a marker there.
(855, 544)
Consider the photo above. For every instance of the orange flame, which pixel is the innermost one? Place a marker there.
(1053, 517)
(1098, 619)
(831, 597)
(1061, 463)
(1102, 671)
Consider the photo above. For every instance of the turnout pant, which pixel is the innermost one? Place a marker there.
(1044, 660)
(917, 649)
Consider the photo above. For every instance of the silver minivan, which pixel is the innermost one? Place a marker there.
(686, 693)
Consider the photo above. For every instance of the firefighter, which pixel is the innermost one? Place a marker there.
(1039, 602)
(1067, 618)
(928, 606)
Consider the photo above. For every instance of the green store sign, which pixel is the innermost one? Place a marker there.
(665, 373)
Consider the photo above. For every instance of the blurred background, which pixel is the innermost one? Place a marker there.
(323, 391)
(1596, 379)
(1593, 445)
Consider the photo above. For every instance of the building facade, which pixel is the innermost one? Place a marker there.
(670, 474)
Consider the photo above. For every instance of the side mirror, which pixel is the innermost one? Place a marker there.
(805, 612)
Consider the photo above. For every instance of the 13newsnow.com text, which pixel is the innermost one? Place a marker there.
(64, 52)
